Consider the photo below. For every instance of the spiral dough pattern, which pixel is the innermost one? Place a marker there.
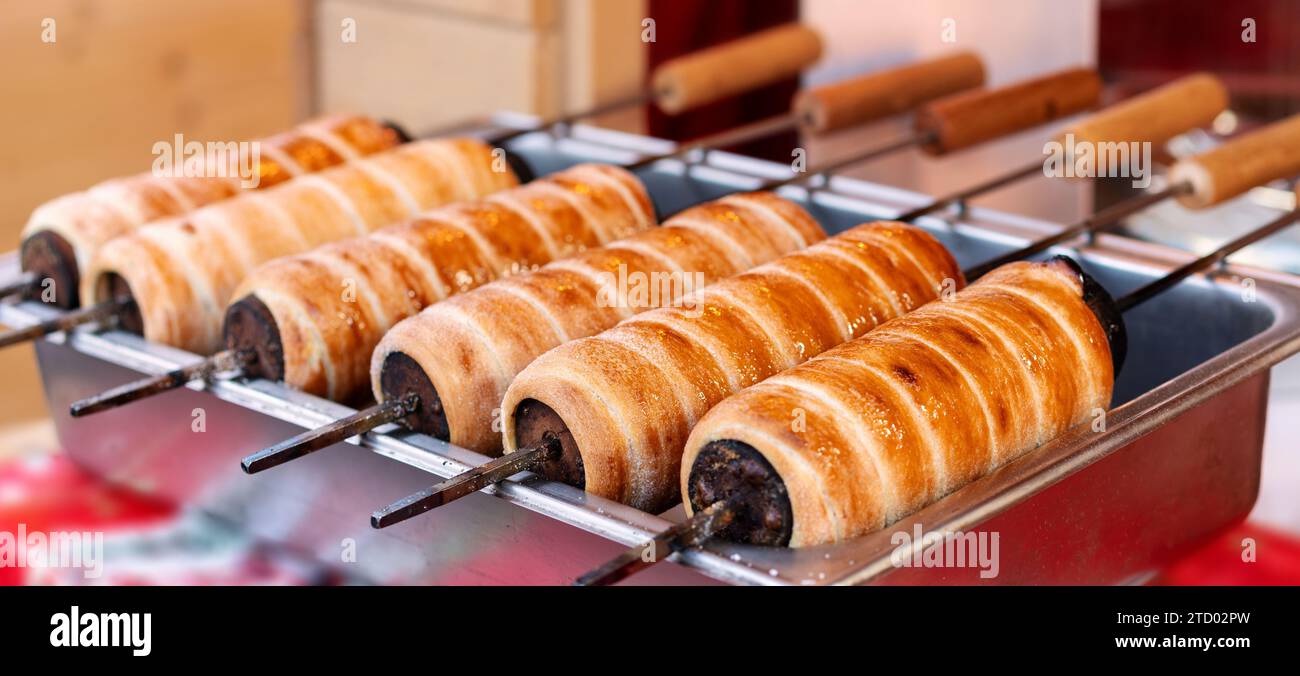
(183, 270)
(89, 219)
(922, 405)
(470, 355)
(333, 304)
(630, 396)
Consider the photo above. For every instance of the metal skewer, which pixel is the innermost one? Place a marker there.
(225, 360)
(107, 312)
(908, 141)
(788, 48)
(594, 111)
(23, 283)
(472, 481)
(345, 428)
(752, 131)
(690, 533)
(976, 190)
(1106, 217)
(1154, 288)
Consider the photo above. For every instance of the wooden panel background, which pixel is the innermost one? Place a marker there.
(431, 63)
(119, 77)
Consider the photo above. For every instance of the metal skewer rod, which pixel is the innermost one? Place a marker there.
(1151, 290)
(689, 533)
(594, 111)
(742, 134)
(21, 284)
(468, 482)
(703, 77)
(311, 441)
(104, 313)
(225, 360)
(234, 362)
(1106, 217)
(961, 196)
(908, 141)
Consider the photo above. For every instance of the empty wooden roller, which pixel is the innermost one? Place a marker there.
(968, 118)
(874, 96)
(1254, 158)
(734, 67)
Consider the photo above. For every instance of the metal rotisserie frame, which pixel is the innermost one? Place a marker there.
(1178, 460)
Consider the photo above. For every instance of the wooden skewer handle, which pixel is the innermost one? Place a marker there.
(1156, 116)
(1250, 160)
(889, 92)
(965, 119)
(738, 66)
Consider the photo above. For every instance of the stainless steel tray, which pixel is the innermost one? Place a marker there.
(1179, 459)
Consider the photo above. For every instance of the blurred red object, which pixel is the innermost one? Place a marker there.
(1249, 554)
(122, 538)
(50, 493)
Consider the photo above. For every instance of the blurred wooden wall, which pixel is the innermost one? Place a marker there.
(432, 63)
(118, 77)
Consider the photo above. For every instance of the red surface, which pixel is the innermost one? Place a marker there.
(1276, 554)
(50, 493)
(1143, 39)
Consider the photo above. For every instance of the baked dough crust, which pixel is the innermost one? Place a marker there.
(470, 354)
(183, 270)
(924, 404)
(90, 218)
(631, 395)
(328, 335)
